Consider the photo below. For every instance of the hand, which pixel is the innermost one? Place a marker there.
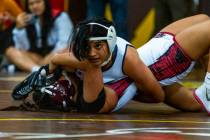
(22, 20)
(44, 78)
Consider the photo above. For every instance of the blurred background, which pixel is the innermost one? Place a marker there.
(135, 20)
(140, 14)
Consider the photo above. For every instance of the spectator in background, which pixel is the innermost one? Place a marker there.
(168, 11)
(40, 32)
(96, 8)
(9, 10)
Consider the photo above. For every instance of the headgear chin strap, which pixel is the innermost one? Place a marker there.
(111, 38)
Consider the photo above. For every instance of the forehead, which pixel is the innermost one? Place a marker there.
(34, 1)
(93, 42)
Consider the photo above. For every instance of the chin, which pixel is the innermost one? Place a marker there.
(95, 63)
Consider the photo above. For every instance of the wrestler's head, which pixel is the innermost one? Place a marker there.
(94, 40)
(58, 96)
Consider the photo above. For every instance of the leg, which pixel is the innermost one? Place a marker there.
(181, 98)
(189, 39)
(180, 25)
(21, 59)
(197, 35)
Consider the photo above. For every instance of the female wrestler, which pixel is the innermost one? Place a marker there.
(95, 41)
(170, 56)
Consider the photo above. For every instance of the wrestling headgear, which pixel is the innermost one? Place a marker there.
(58, 96)
(91, 30)
(110, 37)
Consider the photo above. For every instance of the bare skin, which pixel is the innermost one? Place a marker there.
(92, 81)
(24, 59)
(98, 54)
(190, 33)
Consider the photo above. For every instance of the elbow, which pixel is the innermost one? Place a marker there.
(54, 59)
(159, 97)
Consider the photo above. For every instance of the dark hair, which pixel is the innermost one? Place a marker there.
(83, 31)
(47, 24)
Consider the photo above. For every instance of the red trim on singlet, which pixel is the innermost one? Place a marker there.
(120, 86)
(172, 63)
(178, 45)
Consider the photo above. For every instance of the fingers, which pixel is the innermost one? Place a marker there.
(23, 19)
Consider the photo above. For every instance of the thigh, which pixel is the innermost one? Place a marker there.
(181, 98)
(33, 56)
(195, 40)
(182, 24)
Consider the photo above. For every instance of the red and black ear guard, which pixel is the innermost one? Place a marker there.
(58, 96)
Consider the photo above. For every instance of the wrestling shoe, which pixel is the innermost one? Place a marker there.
(35, 81)
(22, 90)
(202, 95)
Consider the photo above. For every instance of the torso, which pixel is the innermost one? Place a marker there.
(115, 71)
(115, 78)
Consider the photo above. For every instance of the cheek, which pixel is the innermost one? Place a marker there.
(42, 8)
(104, 53)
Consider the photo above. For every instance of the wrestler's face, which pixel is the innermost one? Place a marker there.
(98, 52)
(36, 7)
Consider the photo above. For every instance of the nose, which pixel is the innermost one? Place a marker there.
(92, 52)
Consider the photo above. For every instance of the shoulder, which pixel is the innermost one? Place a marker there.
(131, 53)
(121, 41)
(63, 19)
(132, 60)
(61, 15)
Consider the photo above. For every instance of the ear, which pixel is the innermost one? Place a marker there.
(112, 38)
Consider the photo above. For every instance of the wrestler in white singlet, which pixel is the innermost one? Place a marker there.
(162, 54)
(115, 73)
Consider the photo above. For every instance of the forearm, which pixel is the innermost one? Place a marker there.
(93, 88)
(150, 85)
(93, 82)
(66, 61)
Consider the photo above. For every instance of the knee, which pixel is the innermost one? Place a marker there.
(11, 52)
(203, 17)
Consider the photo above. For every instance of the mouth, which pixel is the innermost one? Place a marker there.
(94, 60)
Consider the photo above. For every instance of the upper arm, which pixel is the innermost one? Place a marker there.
(141, 74)
(67, 60)
(64, 29)
(20, 38)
